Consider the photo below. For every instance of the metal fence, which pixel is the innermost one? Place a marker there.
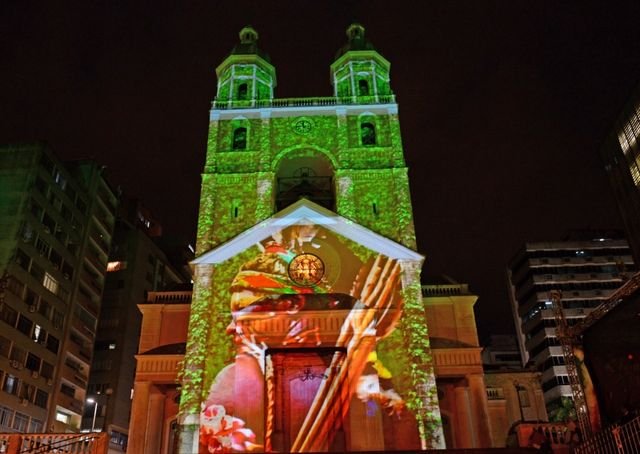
(617, 439)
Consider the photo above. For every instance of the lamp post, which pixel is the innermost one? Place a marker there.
(518, 389)
(93, 401)
(107, 393)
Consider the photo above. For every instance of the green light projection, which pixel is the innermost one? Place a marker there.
(371, 189)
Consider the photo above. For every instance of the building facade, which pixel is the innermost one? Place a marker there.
(587, 272)
(472, 415)
(502, 351)
(57, 223)
(308, 329)
(298, 197)
(620, 153)
(137, 265)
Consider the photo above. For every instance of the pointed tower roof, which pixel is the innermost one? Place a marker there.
(357, 40)
(248, 44)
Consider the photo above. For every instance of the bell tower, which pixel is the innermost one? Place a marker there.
(343, 152)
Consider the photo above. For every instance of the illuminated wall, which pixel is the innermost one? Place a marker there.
(344, 153)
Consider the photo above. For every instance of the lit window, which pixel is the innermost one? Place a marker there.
(63, 417)
(628, 130)
(635, 173)
(50, 283)
(37, 332)
(116, 266)
(60, 180)
(112, 346)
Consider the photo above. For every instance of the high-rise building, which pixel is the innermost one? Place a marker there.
(586, 272)
(137, 265)
(56, 224)
(620, 153)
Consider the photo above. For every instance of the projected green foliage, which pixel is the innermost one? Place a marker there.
(370, 181)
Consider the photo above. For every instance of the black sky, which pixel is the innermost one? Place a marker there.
(503, 105)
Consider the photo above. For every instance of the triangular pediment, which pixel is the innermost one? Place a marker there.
(307, 212)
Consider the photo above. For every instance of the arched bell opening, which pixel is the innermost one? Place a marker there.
(305, 174)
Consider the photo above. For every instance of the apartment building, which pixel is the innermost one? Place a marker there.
(586, 271)
(56, 224)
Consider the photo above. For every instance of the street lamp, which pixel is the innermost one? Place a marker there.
(93, 401)
(518, 389)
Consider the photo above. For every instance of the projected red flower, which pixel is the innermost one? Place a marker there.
(220, 432)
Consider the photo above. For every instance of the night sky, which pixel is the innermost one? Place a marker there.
(503, 105)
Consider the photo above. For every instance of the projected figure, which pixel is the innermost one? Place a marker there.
(275, 310)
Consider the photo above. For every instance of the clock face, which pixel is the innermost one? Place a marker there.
(306, 269)
(302, 126)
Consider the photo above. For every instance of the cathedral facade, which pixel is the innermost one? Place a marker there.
(307, 330)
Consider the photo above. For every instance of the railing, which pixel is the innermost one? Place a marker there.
(623, 438)
(302, 102)
(445, 290)
(495, 394)
(94, 443)
(169, 297)
(558, 434)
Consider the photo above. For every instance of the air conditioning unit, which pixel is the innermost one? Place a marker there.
(50, 381)
(24, 401)
(46, 229)
(15, 364)
(35, 374)
(32, 307)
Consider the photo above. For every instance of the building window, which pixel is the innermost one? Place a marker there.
(116, 266)
(36, 426)
(368, 134)
(5, 346)
(33, 362)
(243, 91)
(8, 315)
(41, 398)
(53, 343)
(240, 138)
(25, 325)
(15, 286)
(50, 283)
(68, 390)
(20, 422)
(22, 259)
(63, 417)
(47, 370)
(6, 415)
(363, 87)
(11, 384)
(18, 355)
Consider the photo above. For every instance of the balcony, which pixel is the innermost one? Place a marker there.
(87, 304)
(74, 376)
(70, 403)
(303, 102)
(169, 297)
(81, 327)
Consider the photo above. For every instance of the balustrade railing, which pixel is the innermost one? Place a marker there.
(302, 102)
